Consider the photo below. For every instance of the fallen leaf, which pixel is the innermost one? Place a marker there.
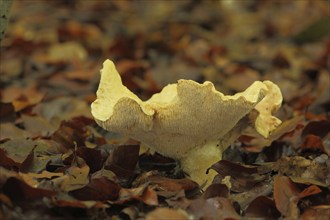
(123, 159)
(318, 128)
(63, 87)
(105, 173)
(67, 51)
(132, 73)
(80, 75)
(311, 190)
(76, 177)
(242, 178)
(280, 61)
(316, 213)
(73, 30)
(313, 32)
(257, 143)
(93, 157)
(22, 97)
(5, 200)
(130, 212)
(38, 158)
(308, 181)
(79, 204)
(149, 197)
(62, 108)
(5, 174)
(216, 190)
(167, 184)
(275, 151)
(212, 208)
(37, 126)
(167, 213)
(7, 162)
(72, 132)
(10, 131)
(142, 193)
(10, 68)
(7, 112)
(99, 189)
(326, 144)
(262, 207)
(245, 198)
(239, 81)
(17, 190)
(312, 142)
(156, 161)
(33, 179)
(286, 196)
(301, 169)
(16, 150)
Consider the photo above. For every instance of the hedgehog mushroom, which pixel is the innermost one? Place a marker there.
(187, 121)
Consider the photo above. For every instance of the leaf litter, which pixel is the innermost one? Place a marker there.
(56, 163)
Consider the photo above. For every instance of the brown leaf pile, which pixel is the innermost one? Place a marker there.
(56, 163)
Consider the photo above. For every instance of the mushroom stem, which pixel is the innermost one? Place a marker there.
(198, 160)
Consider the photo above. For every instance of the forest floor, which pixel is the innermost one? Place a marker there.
(57, 163)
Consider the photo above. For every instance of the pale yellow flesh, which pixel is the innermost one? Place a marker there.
(186, 120)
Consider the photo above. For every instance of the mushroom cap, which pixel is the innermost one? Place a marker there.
(182, 116)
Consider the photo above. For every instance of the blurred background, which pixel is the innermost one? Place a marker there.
(50, 61)
(58, 47)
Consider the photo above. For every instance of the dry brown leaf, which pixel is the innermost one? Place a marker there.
(172, 185)
(286, 196)
(22, 97)
(321, 212)
(262, 207)
(5, 174)
(33, 179)
(67, 51)
(256, 143)
(311, 190)
(7, 112)
(242, 178)
(62, 108)
(319, 128)
(5, 200)
(131, 211)
(80, 75)
(167, 213)
(79, 204)
(148, 162)
(37, 126)
(72, 132)
(149, 197)
(242, 80)
(76, 177)
(216, 190)
(123, 159)
(17, 190)
(213, 208)
(16, 150)
(303, 170)
(10, 131)
(142, 193)
(313, 142)
(93, 157)
(98, 189)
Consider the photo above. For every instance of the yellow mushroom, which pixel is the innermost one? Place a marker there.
(187, 121)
